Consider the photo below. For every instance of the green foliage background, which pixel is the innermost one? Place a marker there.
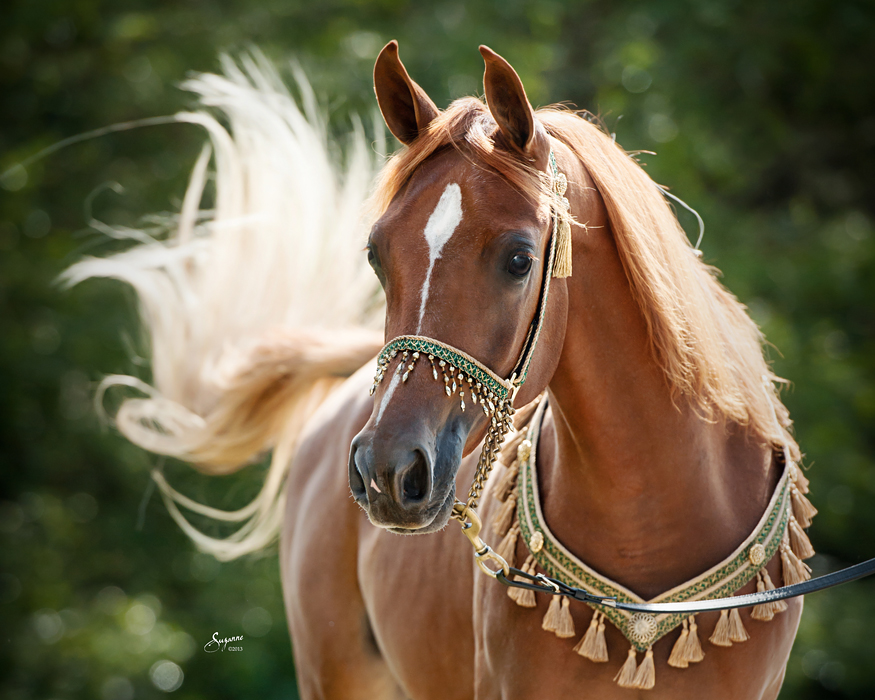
(761, 113)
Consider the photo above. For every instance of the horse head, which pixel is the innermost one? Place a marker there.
(461, 248)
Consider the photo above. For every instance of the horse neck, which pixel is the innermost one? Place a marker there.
(633, 480)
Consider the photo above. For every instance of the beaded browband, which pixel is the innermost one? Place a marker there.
(494, 394)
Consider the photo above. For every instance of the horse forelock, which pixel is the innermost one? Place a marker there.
(709, 348)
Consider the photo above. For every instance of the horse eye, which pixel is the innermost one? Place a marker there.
(520, 265)
(371, 257)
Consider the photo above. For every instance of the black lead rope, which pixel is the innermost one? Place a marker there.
(545, 584)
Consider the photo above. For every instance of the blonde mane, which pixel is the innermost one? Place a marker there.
(709, 348)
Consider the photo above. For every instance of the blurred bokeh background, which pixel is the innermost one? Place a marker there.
(761, 115)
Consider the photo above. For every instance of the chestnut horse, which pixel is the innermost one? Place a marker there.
(656, 451)
(655, 456)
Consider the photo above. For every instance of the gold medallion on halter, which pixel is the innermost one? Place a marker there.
(779, 532)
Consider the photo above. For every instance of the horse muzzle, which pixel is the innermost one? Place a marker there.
(404, 482)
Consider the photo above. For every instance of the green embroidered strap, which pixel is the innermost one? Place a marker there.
(721, 580)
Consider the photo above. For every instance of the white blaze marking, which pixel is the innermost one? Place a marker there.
(442, 223)
(388, 395)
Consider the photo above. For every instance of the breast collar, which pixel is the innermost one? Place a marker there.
(778, 531)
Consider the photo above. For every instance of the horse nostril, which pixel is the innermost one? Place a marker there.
(356, 480)
(415, 480)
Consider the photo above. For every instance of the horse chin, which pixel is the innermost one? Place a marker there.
(438, 522)
(435, 518)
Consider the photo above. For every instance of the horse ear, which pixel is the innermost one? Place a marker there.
(405, 106)
(509, 105)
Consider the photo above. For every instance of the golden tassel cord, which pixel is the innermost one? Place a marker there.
(720, 636)
(501, 520)
(592, 645)
(737, 633)
(558, 618)
(625, 678)
(778, 606)
(508, 482)
(799, 541)
(802, 508)
(795, 570)
(507, 547)
(524, 597)
(678, 659)
(645, 676)
(763, 612)
(693, 652)
(562, 265)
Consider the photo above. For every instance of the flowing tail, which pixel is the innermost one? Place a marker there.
(255, 308)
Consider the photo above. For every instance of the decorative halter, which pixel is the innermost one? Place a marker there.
(494, 394)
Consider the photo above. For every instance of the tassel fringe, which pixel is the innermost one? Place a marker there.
(687, 649)
(508, 481)
(592, 645)
(626, 676)
(778, 606)
(507, 547)
(558, 618)
(645, 676)
(502, 519)
(795, 570)
(737, 633)
(721, 637)
(562, 264)
(693, 652)
(802, 508)
(799, 541)
(800, 479)
(523, 596)
(678, 659)
(764, 611)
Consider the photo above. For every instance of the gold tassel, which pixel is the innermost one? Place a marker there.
(625, 678)
(507, 547)
(720, 637)
(501, 520)
(802, 508)
(693, 652)
(678, 659)
(558, 618)
(800, 479)
(778, 606)
(737, 633)
(795, 570)
(645, 676)
(524, 597)
(592, 645)
(799, 541)
(508, 481)
(763, 612)
(562, 264)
